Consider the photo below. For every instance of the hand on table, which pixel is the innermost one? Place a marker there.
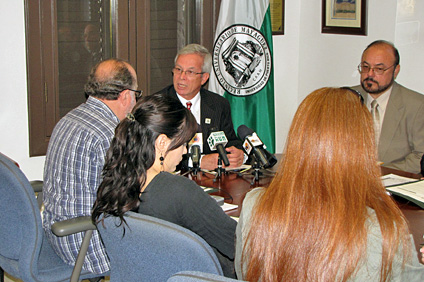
(235, 157)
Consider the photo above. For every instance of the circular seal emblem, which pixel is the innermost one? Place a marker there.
(242, 60)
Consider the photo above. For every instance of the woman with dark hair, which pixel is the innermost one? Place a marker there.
(147, 147)
(326, 215)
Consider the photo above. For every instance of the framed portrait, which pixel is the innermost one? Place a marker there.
(344, 17)
(277, 16)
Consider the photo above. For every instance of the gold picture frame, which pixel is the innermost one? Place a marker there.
(277, 16)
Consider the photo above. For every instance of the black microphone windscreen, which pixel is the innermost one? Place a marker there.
(272, 160)
(195, 154)
(243, 131)
(223, 154)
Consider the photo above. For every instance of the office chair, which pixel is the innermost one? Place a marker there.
(153, 249)
(193, 276)
(25, 252)
(37, 186)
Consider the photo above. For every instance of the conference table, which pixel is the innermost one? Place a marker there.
(233, 186)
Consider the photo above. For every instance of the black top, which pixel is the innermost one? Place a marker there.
(181, 201)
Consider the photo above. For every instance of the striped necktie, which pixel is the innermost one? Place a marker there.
(376, 118)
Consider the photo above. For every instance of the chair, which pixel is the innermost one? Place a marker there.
(153, 249)
(25, 252)
(37, 186)
(193, 276)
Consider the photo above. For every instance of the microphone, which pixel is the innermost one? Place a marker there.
(195, 155)
(253, 145)
(217, 141)
(197, 141)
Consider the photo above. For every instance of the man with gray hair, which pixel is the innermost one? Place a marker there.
(76, 155)
(193, 64)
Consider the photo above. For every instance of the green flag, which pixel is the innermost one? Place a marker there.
(243, 65)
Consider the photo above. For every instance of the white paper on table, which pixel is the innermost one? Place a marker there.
(227, 206)
(393, 179)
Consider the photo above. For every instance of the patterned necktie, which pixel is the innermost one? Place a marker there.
(189, 105)
(376, 118)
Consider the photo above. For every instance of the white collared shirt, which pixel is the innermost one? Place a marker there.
(382, 101)
(195, 107)
(195, 110)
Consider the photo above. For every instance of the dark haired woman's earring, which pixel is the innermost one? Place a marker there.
(131, 117)
(161, 160)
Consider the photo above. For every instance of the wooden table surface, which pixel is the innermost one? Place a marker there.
(233, 187)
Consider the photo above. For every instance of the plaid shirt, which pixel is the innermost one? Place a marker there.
(72, 174)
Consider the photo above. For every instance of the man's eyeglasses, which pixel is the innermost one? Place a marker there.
(137, 93)
(363, 68)
(356, 92)
(189, 73)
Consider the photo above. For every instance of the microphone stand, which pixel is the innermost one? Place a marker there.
(192, 170)
(219, 170)
(195, 169)
(257, 171)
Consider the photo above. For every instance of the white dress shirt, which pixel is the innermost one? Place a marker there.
(382, 101)
(195, 107)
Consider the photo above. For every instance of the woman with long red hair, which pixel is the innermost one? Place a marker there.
(326, 215)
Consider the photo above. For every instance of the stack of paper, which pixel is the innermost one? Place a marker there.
(408, 188)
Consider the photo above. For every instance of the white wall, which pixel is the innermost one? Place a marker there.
(304, 60)
(286, 63)
(409, 39)
(13, 106)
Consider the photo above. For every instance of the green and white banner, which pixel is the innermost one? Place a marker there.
(242, 62)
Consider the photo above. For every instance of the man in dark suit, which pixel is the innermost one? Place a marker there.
(398, 112)
(191, 72)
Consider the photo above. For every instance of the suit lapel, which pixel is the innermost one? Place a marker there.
(391, 120)
(206, 113)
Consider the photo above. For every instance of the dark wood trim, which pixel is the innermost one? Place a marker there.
(142, 42)
(42, 113)
(50, 60)
(34, 75)
(121, 29)
(132, 30)
(208, 26)
(131, 37)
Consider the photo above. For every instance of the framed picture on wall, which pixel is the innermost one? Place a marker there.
(344, 17)
(277, 16)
